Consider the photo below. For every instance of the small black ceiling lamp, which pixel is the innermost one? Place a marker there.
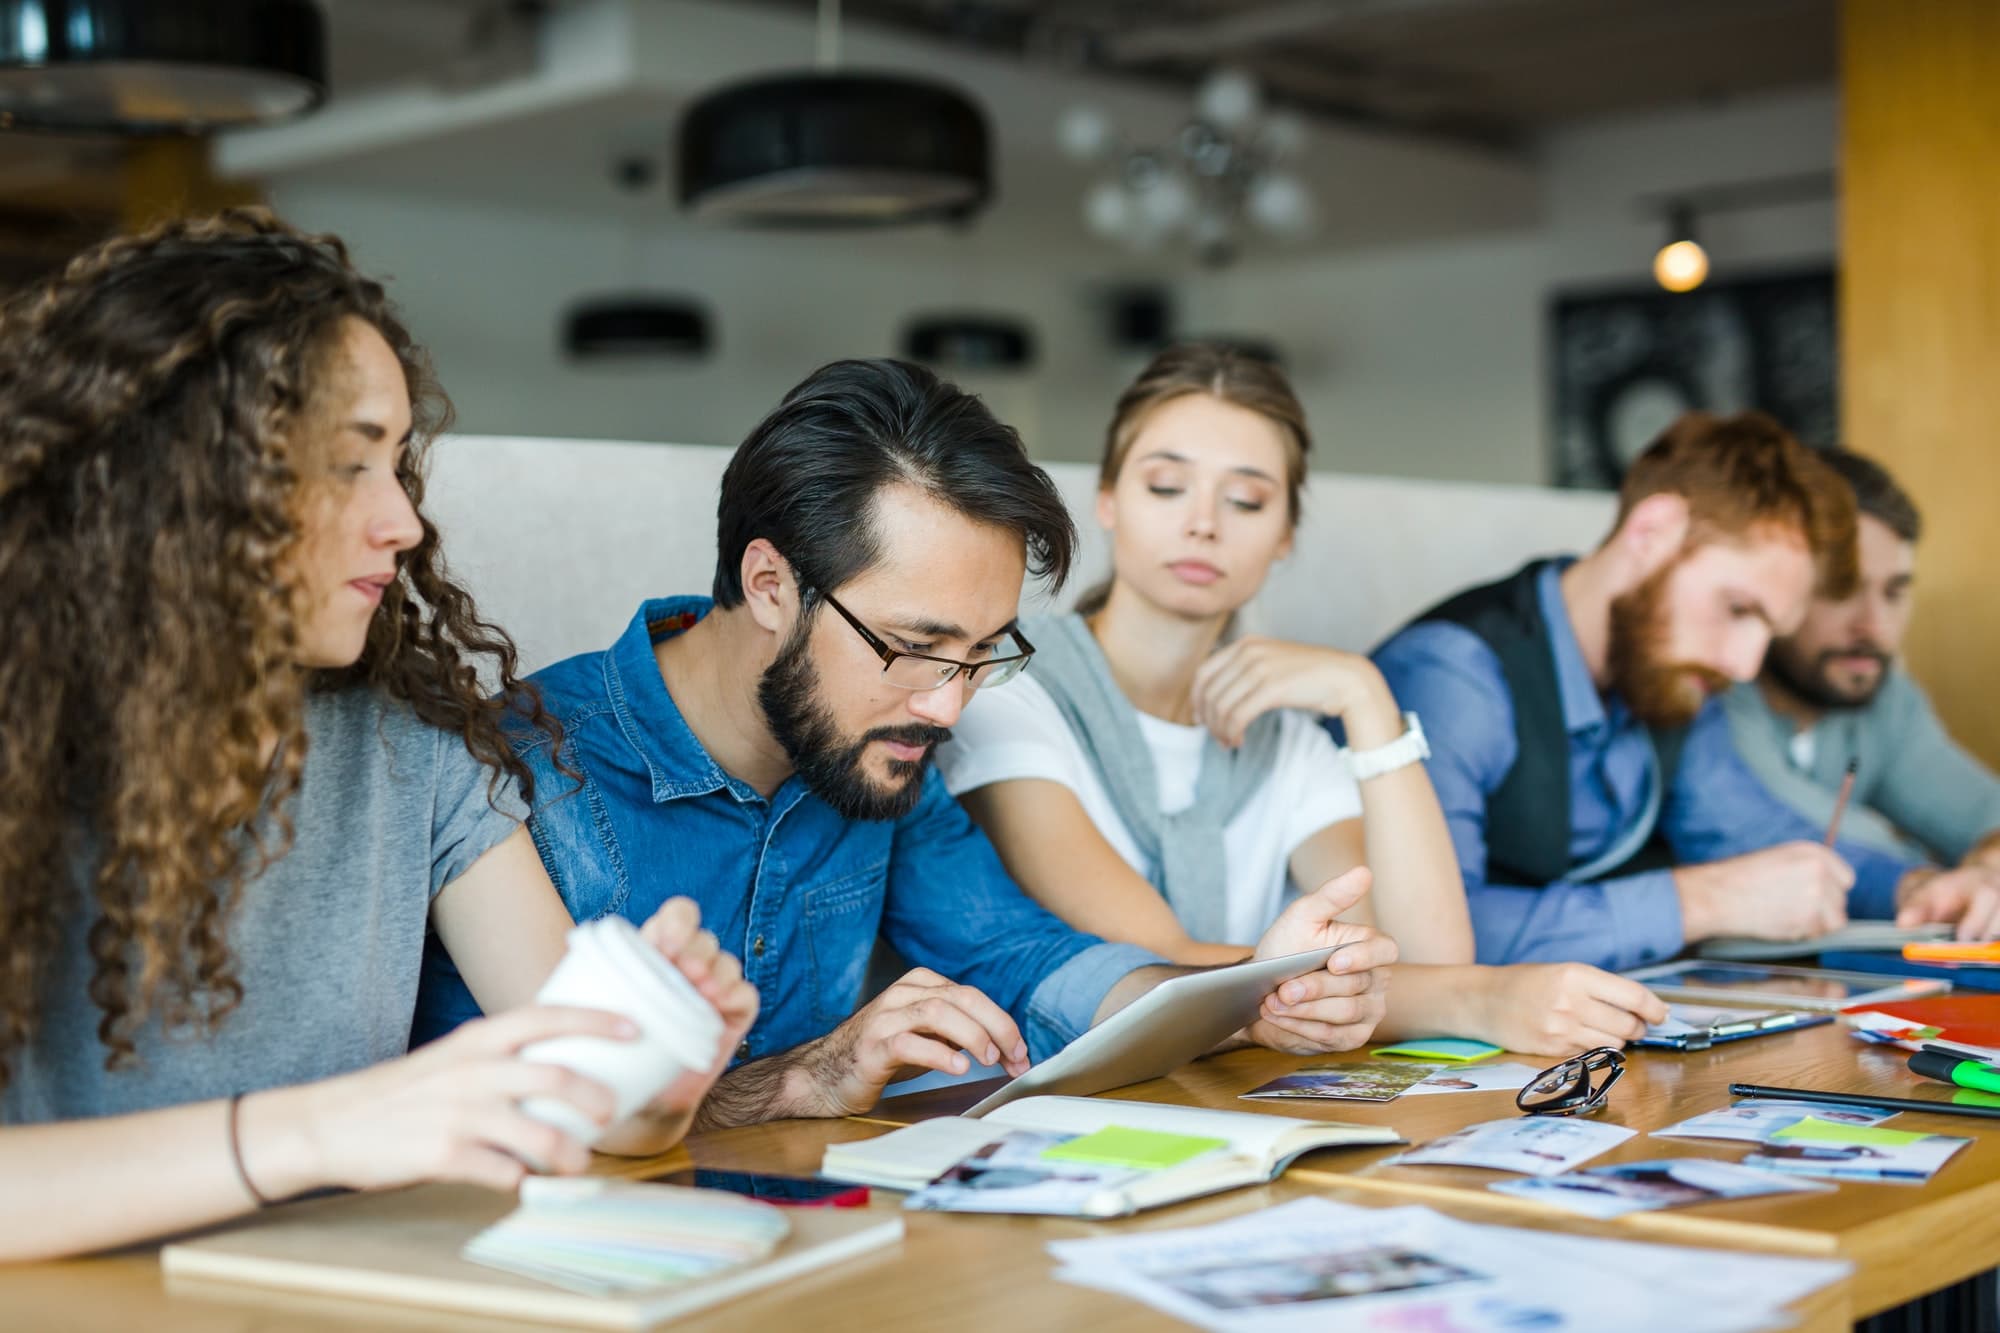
(158, 66)
(636, 326)
(835, 149)
(970, 342)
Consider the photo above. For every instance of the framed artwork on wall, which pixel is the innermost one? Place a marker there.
(1627, 362)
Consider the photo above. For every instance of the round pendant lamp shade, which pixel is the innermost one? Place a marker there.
(970, 342)
(629, 326)
(835, 149)
(158, 66)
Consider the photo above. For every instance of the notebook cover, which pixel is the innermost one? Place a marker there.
(1895, 965)
(403, 1247)
(1971, 1019)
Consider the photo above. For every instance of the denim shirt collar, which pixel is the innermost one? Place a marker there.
(647, 714)
(1583, 707)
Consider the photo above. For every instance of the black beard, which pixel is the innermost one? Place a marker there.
(828, 762)
(1812, 686)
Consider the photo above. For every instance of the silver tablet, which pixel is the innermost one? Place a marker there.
(1162, 1030)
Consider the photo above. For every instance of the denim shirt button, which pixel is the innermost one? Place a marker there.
(743, 1051)
(757, 946)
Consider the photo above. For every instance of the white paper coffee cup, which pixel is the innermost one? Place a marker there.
(610, 966)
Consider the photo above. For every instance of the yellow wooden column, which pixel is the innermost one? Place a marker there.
(1920, 317)
(169, 177)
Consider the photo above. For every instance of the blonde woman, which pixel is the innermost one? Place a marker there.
(1155, 781)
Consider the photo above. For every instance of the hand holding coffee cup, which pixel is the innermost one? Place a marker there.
(609, 966)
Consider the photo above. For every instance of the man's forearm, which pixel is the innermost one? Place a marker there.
(761, 1090)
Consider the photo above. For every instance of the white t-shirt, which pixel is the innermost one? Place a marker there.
(1016, 731)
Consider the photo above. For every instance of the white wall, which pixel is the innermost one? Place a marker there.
(1428, 360)
(1424, 359)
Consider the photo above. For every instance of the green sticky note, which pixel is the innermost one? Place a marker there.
(1814, 1130)
(1142, 1149)
(1462, 1050)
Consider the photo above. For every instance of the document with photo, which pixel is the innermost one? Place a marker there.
(1311, 1265)
(1637, 1187)
(1011, 1175)
(1757, 1119)
(1816, 1147)
(1360, 1081)
(1532, 1145)
(1476, 1078)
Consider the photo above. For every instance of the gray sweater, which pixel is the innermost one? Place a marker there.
(1916, 792)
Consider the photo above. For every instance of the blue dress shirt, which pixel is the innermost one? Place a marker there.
(1450, 677)
(794, 890)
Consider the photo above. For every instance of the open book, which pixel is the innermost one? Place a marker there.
(1251, 1148)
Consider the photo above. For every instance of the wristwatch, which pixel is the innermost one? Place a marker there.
(1405, 750)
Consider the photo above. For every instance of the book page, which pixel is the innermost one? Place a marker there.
(1262, 1138)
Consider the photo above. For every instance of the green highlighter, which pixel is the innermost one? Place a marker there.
(1947, 1068)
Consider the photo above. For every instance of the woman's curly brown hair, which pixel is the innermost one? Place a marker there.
(162, 418)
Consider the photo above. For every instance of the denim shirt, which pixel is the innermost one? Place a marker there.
(1716, 809)
(789, 886)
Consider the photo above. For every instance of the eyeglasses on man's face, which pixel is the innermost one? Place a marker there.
(1577, 1086)
(920, 671)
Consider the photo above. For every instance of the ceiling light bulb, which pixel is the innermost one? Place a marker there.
(1083, 132)
(1680, 266)
(1229, 98)
(1282, 204)
(1167, 202)
(1107, 208)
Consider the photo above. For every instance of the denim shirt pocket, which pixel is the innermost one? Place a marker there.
(572, 831)
(841, 919)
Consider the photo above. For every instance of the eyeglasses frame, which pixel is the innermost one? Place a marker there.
(970, 670)
(1605, 1058)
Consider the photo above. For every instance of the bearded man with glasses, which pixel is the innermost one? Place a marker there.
(772, 763)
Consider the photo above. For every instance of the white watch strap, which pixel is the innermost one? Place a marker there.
(1406, 749)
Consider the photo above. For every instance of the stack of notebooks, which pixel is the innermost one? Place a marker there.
(590, 1253)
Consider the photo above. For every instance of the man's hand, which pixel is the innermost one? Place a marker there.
(1337, 1007)
(1561, 1008)
(1789, 892)
(1969, 895)
(922, 1022)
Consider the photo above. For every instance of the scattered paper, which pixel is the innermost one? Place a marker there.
(1314, 1264)
(1755, 1120)
(1819, 1147)
(1014, 1174)
(1361, 1081)
(1634, 1187)
(1476, 1078)
(1532, 1145)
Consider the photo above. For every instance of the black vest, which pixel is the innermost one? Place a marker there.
(1528, 814)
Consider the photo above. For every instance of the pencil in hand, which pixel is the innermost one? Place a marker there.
(1840, 802)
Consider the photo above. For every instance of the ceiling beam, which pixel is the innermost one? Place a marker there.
(1210, 38)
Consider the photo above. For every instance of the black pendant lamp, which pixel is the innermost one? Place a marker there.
(635, 326)
(828, 148)
(970, 342)
(158, 66)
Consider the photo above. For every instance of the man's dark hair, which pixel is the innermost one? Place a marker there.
(1876, 493)
(806, 478)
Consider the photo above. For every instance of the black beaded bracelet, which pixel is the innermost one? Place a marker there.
(236, 1154)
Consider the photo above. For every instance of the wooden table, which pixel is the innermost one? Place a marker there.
(994, 1272)
(1905, 1240)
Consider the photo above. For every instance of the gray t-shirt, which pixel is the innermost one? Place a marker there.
(1917, 792)
(328, 942)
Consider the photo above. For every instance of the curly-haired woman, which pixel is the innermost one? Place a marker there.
(246, 761)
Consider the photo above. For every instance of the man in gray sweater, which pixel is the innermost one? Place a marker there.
(1832, 694)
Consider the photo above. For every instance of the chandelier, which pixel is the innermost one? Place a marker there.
(1216, 182)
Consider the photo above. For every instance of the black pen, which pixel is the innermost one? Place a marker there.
(1988, 1108)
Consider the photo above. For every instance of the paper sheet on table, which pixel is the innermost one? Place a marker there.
(1314, 1264)
(1532, 1145)
(1476, 1078)
(1637, 1187)
(1754, 1120)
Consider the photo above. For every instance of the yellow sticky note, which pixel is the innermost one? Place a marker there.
(1814, 1130)
(1141, 1149)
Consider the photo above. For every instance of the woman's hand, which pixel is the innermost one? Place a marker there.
(675, 930)
(1562, 1008)
(448, 1111)
(1254, 675)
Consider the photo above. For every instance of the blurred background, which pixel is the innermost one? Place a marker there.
(1492, 240)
